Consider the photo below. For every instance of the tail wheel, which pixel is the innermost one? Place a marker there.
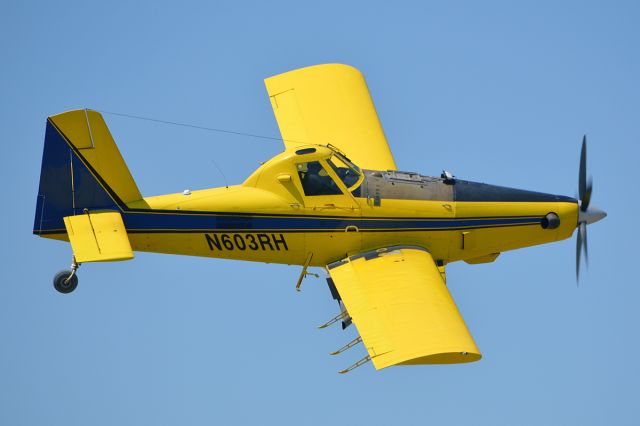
(65, 281)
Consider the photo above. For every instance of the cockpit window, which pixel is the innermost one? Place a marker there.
(346, 171)
(315, 180)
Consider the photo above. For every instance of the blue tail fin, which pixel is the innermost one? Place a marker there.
(82, 169)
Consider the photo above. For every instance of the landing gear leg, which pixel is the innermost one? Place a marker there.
(67, 281)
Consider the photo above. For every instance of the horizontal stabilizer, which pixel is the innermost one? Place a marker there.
(98, 237)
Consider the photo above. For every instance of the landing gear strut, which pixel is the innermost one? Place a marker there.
(67, 281)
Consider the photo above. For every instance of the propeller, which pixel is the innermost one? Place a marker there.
(586, 215)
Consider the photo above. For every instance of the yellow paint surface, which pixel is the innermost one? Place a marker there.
(98, 237)
(403, 310)
(330, 104)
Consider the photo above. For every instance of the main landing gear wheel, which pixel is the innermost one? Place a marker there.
(65, 281)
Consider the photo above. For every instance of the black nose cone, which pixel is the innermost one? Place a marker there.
(475, 191)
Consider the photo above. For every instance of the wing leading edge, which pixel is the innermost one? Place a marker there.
(400, 304)
(330, 104)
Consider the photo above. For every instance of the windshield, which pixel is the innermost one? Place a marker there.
(315, 180)
(348, 173)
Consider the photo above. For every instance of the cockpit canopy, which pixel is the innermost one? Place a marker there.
(311, 170)
(316, 179)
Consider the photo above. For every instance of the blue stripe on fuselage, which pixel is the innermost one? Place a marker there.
(181, 222)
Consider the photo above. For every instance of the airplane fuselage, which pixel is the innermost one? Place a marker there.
(461, 221)
(272, 217)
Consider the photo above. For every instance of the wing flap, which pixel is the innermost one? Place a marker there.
(98, 237)
(399, 302)
(330, 104)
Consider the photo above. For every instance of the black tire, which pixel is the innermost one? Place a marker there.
(62, 286)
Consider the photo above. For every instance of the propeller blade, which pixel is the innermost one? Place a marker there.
(585, 215)
(581, 245)
(578, 251)
(583, 230)
(584, 187)
(584, 202)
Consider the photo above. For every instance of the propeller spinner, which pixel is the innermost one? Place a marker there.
(586, 214)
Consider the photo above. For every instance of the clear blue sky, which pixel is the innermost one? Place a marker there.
(493, 91)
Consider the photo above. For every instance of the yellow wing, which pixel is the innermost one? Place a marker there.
(398, 300)
(330, 104)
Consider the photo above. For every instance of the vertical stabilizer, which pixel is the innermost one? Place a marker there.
(82, 169)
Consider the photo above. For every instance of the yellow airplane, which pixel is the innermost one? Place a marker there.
(334, 199)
